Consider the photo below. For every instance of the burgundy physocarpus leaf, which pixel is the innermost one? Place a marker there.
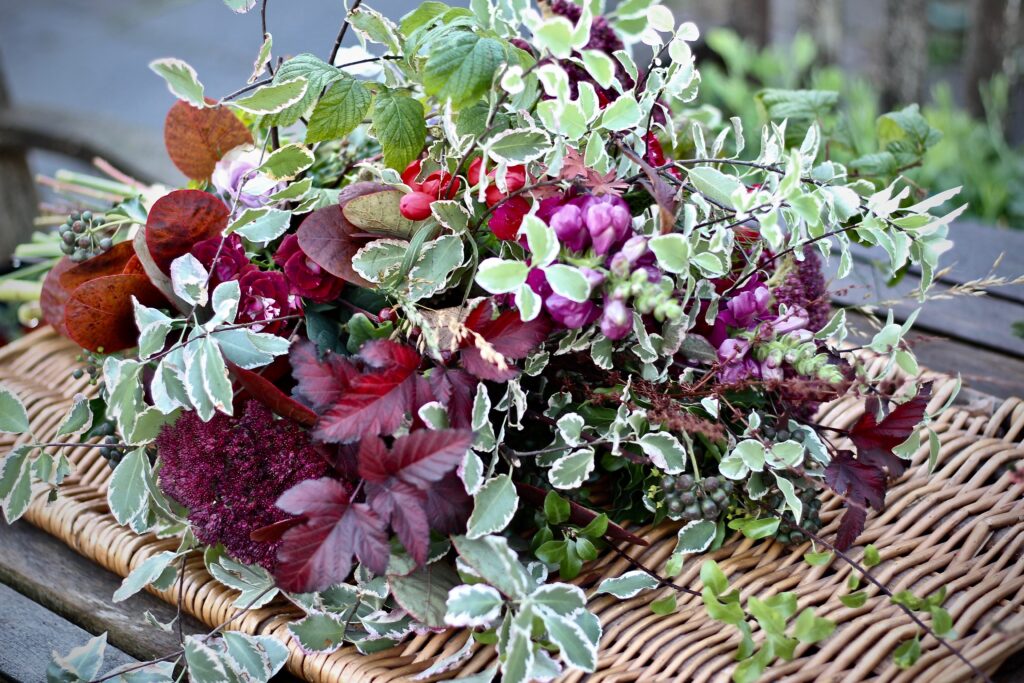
(876, 440)
(456, 390)
(861, 484)
(851, 525)
(318, 553)
(369, 398)
(399, 479)
(507, 334)
(448, 505)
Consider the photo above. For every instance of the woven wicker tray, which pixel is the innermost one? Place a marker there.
(959, 527)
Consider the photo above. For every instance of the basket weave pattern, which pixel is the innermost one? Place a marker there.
(959, 527)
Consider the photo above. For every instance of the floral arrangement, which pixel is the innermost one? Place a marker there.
(439, 319)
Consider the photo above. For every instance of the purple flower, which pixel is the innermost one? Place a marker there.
(567, 223)
(571, 314)
(747, 308)
(608, 221)
(229, 472)
(235, 175)
(616, 320)
(736, 366)
(795, 318)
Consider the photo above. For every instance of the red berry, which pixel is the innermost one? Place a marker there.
(474, 171)
(416, 205)
(387, 315)
(410, 173)
(438, 183)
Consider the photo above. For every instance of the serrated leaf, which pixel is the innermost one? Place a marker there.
(461, 67)
(339, 111)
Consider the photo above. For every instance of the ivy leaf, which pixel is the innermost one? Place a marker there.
(398, 121)
(461, 67)
(398, 479)
(506, 335)
(368, 396)
(875, 440)
(339, 111)
(318, 553)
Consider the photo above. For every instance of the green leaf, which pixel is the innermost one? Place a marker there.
(696, 536)
(809, 628)
(339, 111)
(319, 75)
(519, 145)
(499, 277)
(555, 35)
(436, 262)
(854, 600)
(254, 584)
(757, 528)
(726, 612)
(622, 114)
(818, 559)
(493, 507)
(666, 605)
(423, 592)
(556, 508)
(665, 451)
(575, 648)
(600, 66)
(942, 622)
(273, 98)
(495, 562)
(83, 663)
(204, 663)
(319, 633)
(597, 527)
(796, 104)
(871, 556)
(182, 80)
(570, 471)
(560, 598)
(461, 67)
(628, 585)
(672, 251)
(713, 578)
(421, 16)
(16, 482)
(568, 281)
(144, 574)
(714, 184)
(255, 658)
(127, 494)
(907, 654)
(13, 416)
(287, 162)
(400, 128)
(473, 606)
(375, 27)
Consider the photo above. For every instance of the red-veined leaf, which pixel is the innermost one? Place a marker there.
(197, 139)
(180, 219)
(318, 553)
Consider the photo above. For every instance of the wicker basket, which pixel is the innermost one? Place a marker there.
(958, 527)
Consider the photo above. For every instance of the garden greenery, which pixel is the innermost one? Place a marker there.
(438, 319)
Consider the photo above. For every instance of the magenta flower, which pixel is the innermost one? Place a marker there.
(747, 308)
(265, 297)
(608, 221)
(571, 314)
(567, 223)
(231, 263)
(229, 472)
(616, 319)
(306, 278)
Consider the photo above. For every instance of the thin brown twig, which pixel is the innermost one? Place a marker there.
(342, 31)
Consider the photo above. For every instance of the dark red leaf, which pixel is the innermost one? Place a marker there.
(112, 262)
(448, 505)
(859, 481)
(850, 526)
(54, 296)
(398, 480)
(272, 533)
(875, 441)
(365, 396)
(180, 219)
(266, 392)
(99, 314)
(507, 335)
(455, 390)
(197, 139)
(318, 553)
(330, 240)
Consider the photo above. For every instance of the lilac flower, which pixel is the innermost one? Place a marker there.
(795, 318)
(608, 220)
(567, 223)
(570, 314)
(747, 308)
(616, 320)
(235, 174)
(736, 366)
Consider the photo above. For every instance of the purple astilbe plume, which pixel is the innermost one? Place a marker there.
(229, 472)
(805, 287)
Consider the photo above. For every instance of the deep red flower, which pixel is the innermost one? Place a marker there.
(231, 263)
(507, 218)
(266, 296)
(305, 277)
(230, 471)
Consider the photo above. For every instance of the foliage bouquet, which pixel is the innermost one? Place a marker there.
(439, 319)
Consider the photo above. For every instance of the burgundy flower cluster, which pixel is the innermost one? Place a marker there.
(230, 471)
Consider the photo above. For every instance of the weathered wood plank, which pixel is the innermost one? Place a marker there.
(29, 633)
